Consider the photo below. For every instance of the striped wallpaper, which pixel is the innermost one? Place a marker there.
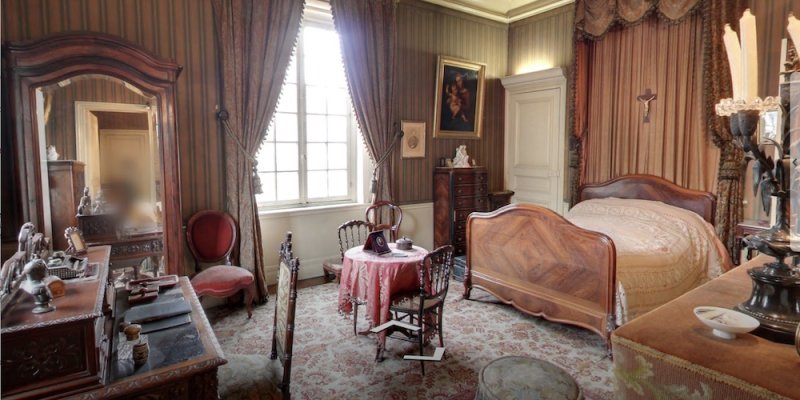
(182, 30)
(541, 41)
(179, 30)
(60, 127)
(426, 31)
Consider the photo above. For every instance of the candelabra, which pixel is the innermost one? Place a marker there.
(775, 299)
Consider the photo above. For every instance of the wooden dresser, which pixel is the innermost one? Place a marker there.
(71, 352)
(456, 193)
(63, 351)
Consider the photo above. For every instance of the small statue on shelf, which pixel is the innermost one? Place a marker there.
(85, 206)
(52, 154)
(461, 160)
(99, 203)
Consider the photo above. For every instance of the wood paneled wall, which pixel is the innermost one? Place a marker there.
(425, 32)
(60, 124)
(180, 30)
(541, 41)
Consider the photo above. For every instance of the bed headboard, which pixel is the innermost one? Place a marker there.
(650, 187)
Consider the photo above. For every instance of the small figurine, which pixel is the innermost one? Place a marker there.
(85, 206)
(52, 154)
(461, 160)
(36, 271)
(99, 203)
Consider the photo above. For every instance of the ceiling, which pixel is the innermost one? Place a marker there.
(502, 10)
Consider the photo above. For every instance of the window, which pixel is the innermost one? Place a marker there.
(309, 154)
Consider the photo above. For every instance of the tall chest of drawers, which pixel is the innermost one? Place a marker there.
(456, 193)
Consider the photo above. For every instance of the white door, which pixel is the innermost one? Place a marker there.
(535, 137)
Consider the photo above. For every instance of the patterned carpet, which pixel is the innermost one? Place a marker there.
(329, 362)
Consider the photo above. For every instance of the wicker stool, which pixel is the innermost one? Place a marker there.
(515, 377)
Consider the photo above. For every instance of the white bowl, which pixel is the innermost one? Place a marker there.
(724, 322)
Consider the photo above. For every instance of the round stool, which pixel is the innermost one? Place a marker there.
(514, 377)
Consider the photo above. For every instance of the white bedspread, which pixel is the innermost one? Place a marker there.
(662, 251)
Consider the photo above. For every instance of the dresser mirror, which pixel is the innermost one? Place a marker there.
(94, 111)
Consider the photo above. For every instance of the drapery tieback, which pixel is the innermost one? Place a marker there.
(222, 115)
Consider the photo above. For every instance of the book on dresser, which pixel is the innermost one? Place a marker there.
(457, 192)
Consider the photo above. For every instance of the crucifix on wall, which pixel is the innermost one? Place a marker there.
(645, 99)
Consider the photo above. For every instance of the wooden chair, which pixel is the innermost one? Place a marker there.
(285, 302)
(211, 236)
(249, 376)
(384, 215)
(351, 234)
(425, 307)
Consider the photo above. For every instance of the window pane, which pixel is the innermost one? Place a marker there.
(337, 183)
(266, 157)
(317, 156)
(288, 184)
(337, 128)
(337, 155)
(338, 103)
(291, 73)
(315, 99)
(286, 127)
(270, 132)
(337, 75)
(268, 186)
(316, 130)
(286, 156)
(288, 100)
(317, 184)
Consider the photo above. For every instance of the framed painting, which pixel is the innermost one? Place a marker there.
(413, 139)
(459, 99)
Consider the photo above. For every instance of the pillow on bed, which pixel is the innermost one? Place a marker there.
(662, 251)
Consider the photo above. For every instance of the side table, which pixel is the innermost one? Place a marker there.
(744, 228)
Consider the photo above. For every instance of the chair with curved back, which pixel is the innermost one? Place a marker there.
(425, 306)
(384, 215)
(211, 236)
(351, 234)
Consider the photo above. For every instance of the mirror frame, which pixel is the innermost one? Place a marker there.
(30, 65)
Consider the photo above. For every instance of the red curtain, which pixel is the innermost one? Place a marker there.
(675, 48)
(670, 142)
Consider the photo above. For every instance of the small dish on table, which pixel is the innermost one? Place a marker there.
(724, 322)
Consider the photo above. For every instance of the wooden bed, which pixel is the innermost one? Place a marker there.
(534, 259)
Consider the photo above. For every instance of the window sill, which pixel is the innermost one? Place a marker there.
(310, 210)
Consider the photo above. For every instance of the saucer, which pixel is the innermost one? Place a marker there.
(724, 322)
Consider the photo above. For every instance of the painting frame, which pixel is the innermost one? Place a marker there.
(414, 135)
(458, 107)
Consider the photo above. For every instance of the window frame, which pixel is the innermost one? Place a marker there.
(321, 21)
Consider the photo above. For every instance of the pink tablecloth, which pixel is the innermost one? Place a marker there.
(372, 279)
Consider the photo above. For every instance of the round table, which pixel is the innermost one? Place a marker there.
(371, 279)
(515, 377)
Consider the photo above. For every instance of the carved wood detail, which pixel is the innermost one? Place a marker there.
(650, 187)
(51, 59)
(534, 259)
(28, 360)
(456, 193)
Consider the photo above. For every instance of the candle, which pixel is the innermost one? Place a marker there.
(747, 30)
(794, 31)
(731, 40)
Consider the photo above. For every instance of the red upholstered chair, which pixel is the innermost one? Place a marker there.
(211, 236)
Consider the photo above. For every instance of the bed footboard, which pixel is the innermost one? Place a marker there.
(534, 259)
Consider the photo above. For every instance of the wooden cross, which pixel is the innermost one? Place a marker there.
(645, 99)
